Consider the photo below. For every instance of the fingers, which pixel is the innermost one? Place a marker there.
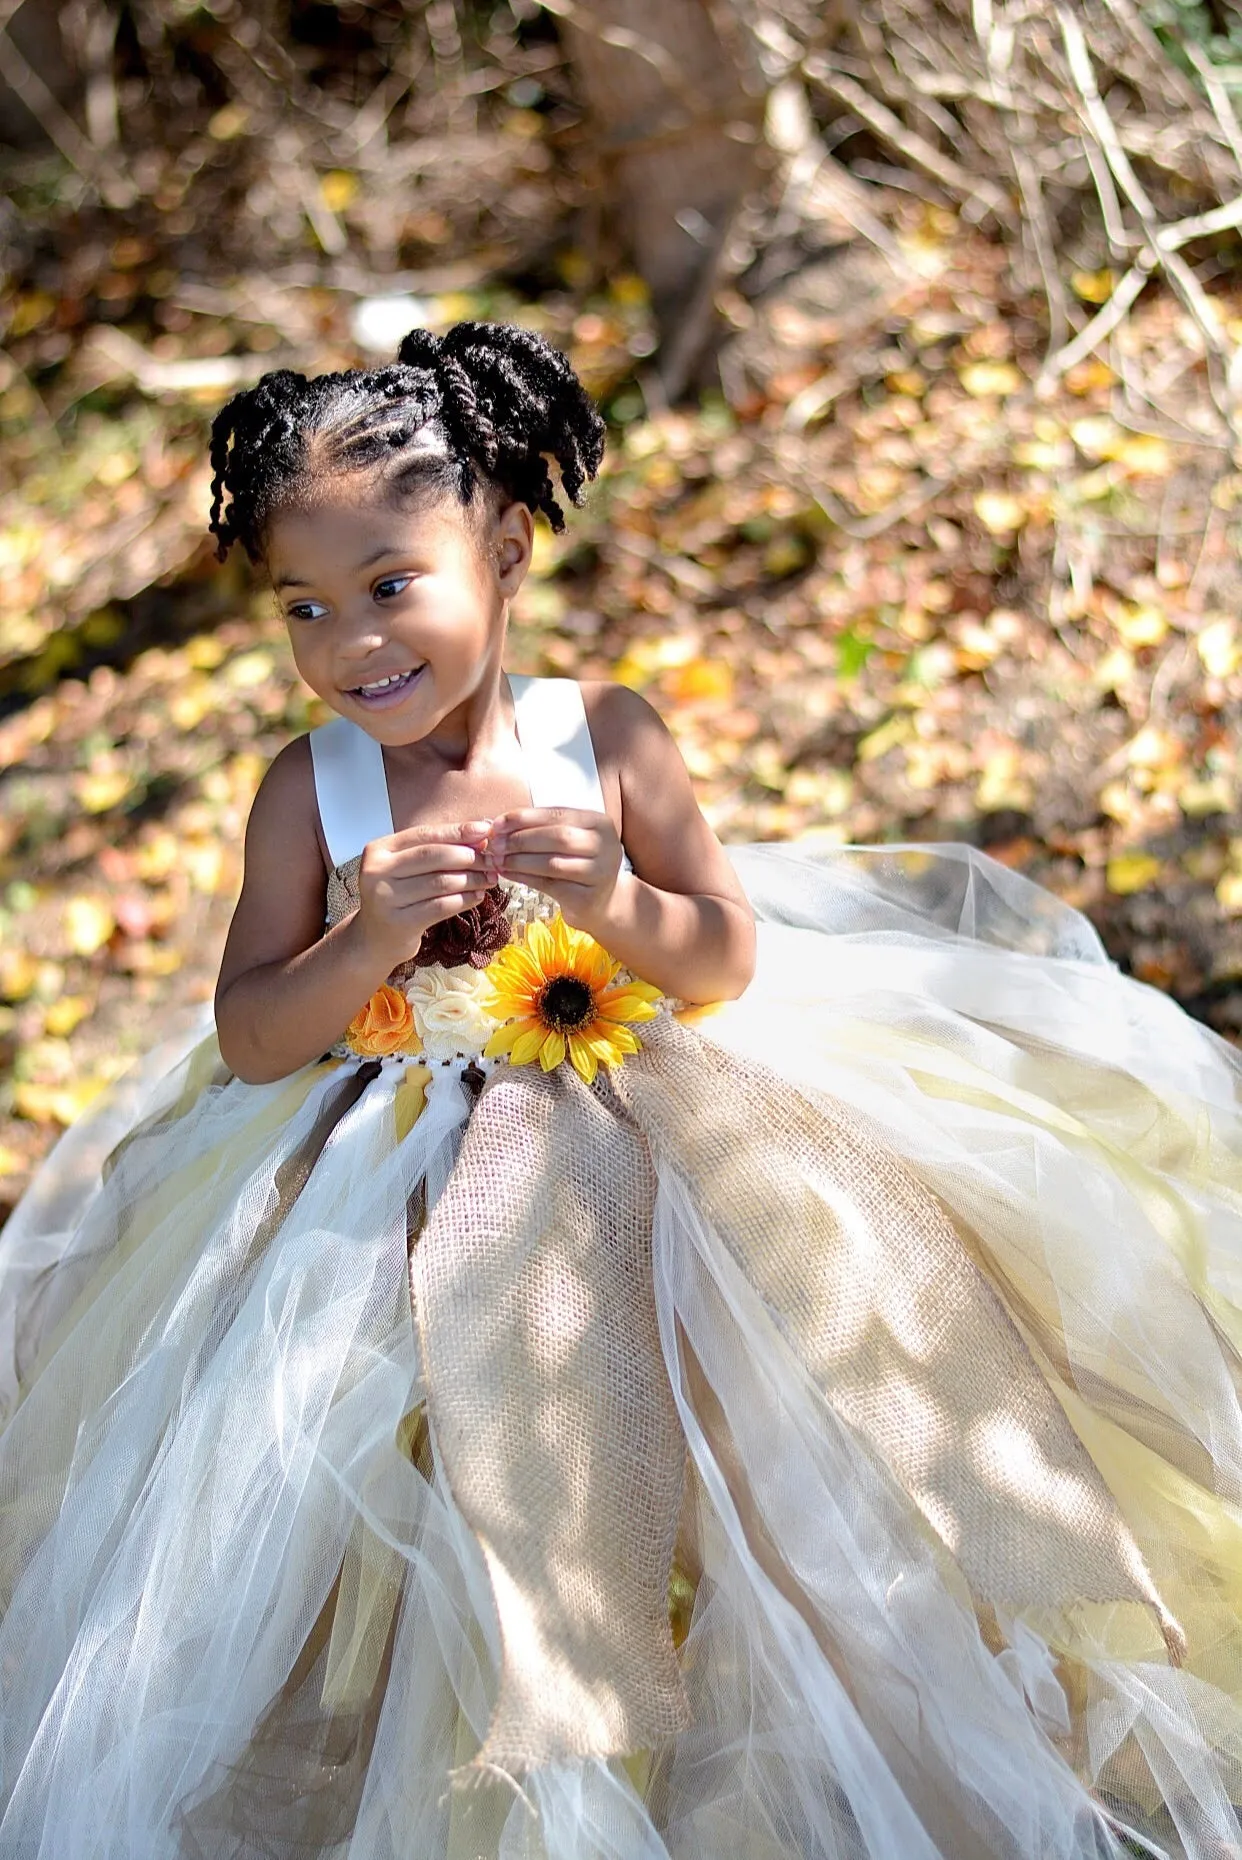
(409, 894)
(519, 817)
(465, 833)
(579, 842)
(562, 867)
(384, 859)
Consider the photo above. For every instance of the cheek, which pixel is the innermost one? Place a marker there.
(307, 654)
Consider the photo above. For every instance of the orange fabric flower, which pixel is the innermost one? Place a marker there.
(384, 1025)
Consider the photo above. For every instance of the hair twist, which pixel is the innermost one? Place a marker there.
(500, 399)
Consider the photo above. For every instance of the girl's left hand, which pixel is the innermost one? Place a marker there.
(572, 855)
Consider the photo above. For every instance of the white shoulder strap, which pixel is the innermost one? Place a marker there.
(555, 740)
(350, 787)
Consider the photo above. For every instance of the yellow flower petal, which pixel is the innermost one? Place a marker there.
(505, 1038)
(552, 1051)
(599, 968)
(584, 1062)
(510, 1006)
(621, 1040)
(526, 1047)
(625, 1006)
(646, 990)
(541, 944)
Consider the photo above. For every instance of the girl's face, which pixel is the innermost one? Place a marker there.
(396, 616)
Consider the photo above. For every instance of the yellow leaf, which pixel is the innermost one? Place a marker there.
(97, 793)
(88, 924)
(1219, 649)
(1145, 454)
(338, 189)
(190, 706)
(1142, 626)
(999, 512)
(631, 671)
(161, 959)
(55, 1104)
(630, 291)
(115, 467)
(252, 668)
(157, 857)
(699, 680)
(1097, 436)
(1134, 871)
(890, 735)
(1229, 893)
(1041, 454)
(1002, 784)
(1214, 796)
(10, 1162)
(228, 122)
(1094, 287)
(204, 652)
(984, 379)
(18, 974)
(1153, 748)
(64, 1015)
(1115, 668)
(205, 866)
(1119, 801)
(1090, 377)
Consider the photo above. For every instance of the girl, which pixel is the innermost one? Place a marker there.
(474, 1411)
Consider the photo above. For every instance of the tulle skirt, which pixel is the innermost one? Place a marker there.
(244, 1615)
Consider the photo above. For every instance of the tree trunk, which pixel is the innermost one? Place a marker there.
(675, 100)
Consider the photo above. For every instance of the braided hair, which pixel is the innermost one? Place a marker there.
(486, 399)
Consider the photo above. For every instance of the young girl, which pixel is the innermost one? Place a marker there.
(485, 1407)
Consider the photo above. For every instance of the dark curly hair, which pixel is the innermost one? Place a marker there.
(486, 398)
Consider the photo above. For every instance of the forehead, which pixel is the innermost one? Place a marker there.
(340, 527)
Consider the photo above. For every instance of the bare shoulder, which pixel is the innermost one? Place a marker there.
(284, 806)
(622, 722)
(280, 910)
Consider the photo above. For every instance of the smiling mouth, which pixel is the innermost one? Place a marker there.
(386, 689)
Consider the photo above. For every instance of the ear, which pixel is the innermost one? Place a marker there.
(513, 536)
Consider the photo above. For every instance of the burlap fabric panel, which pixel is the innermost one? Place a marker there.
(899, 1328)
(548, 1391)
(552, 1415)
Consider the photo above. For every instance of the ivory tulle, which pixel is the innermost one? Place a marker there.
(244, 1614)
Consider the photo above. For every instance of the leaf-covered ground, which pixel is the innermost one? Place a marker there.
(885, 587)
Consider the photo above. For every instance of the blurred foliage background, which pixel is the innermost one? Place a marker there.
(917, 325)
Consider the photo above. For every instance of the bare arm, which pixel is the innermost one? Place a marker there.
(286, 993)
(680, 919)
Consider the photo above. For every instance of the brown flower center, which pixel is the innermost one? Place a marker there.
(566, 1004)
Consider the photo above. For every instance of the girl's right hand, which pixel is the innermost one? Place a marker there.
(418, 877)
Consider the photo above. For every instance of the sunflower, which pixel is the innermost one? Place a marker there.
(555, 990)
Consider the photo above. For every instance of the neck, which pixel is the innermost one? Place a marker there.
(474, 729)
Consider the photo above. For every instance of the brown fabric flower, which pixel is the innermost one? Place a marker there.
(384, 1025)
(473, 936)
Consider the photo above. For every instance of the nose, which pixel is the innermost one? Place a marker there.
(360, 632)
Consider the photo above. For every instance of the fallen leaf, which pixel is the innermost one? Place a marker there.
(999, 512)
(1219, 649)
(88, 924)
(1131, 871)
(64, 1015)
(699, 680)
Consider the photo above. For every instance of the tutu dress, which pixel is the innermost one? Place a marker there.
(816, 1438)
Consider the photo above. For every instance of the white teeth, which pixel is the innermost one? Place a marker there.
(382, 684)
